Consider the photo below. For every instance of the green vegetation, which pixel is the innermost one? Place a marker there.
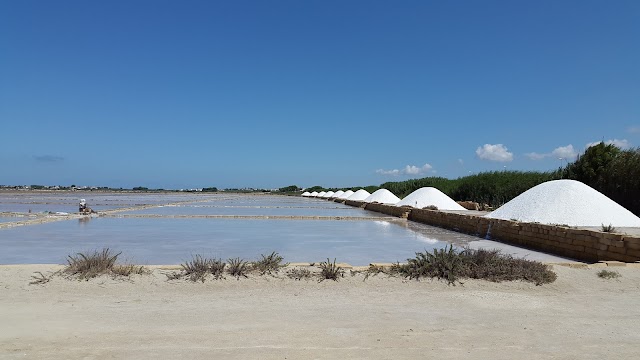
(199, 267)
(451, 265)
(290, 188)
(210, 189)
(607, 274)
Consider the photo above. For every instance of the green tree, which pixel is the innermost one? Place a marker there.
(591, 167)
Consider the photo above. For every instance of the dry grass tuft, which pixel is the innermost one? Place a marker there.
(299, 274)
(198, 269)
(451, 265)
(608, 228)
(329, 271)
(90, 265)
(40, 278)
(608, 274)
(238, 267)
(269, 263)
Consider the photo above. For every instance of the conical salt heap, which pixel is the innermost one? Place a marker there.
(306, 193)
(566, 202)
(382, 196)
(328, 194)
(346, 194)
(430, 196)
(338, 193)
(359, 195)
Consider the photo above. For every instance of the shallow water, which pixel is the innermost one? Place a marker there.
(171, 241)
(162, 239)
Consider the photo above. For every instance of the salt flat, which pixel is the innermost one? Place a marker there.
(577, 317)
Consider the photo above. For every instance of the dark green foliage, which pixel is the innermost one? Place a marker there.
(238, 267)
(451, 265)
(290, 188)
(329, 271)
(607, 274)
(210, 189)
(269, 263)
(590, 167)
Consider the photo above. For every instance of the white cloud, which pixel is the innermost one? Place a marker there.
(408, 170)
(622, 144)
(536, 156)
(565, 152)
(497, 152)
(633, 129)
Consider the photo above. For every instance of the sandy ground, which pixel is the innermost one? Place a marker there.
(578, 317)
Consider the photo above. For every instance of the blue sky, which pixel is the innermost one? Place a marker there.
(180, 94)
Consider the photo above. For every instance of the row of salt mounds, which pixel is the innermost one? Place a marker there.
(346, 194)
(428, 196)
(306, 193)
(359, 195)
(328, 194)
(338, 193)
(382, 196)
(567, 202)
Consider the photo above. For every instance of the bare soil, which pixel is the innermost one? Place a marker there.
(580, 316)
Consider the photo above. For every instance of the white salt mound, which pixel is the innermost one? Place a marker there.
(328, 194)
(382, 196)
(359, 195)
(567, 202)
(338, 193)
(314, 194)
(428, 196)
(346, 194)
(306, 193)
(321, 193)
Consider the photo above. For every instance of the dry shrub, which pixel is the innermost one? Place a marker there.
(199, 267)
(299, 273)
(238, 267)
(608, 228)
(127, 270)
(607, 274)
(40, 278)
(87, 266)
(329, 271)
(269, 263)
(451, 265)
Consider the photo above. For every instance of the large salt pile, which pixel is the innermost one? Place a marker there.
(346, 194)
(321, 193)
(306, 193)
(430, 196)
(567, 202)
(328, 194)
(382, 196)
(338, 193)
(359, 195)
(314, 194)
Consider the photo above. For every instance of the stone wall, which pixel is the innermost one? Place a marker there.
(586, 245)
(401, 212)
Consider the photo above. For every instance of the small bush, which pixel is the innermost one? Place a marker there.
(431, 207)
(238, 267)
(329, 271)
(199, 267)
(607, 274)
(87, 266)
(299, 274)
(127, 270)
(269, 263)
(608, 228)
(451, 265)
(374, 270)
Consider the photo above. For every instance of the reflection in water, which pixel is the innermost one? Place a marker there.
(83, 221)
